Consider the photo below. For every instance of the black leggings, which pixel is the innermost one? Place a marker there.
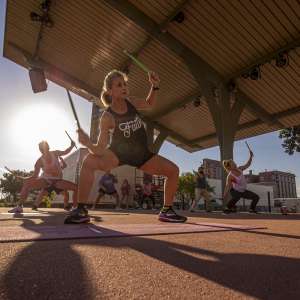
(236, 196)
(146, 199)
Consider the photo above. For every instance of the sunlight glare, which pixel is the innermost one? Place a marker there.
(41, 122)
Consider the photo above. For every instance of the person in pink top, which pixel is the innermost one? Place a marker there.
(51, 177)
(47, 191)
(236, 184)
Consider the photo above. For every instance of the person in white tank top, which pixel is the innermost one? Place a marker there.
(236, 184)
(51, 177)
(52, 181)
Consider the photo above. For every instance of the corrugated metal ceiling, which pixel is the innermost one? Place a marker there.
(88, 39)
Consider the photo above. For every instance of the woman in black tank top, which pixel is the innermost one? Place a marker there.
(128, 138)
(123, 140)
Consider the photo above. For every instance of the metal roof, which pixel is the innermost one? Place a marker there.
(229, 38)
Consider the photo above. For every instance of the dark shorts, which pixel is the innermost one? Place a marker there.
(102, 191)
(246, 194)
(132, 158)
(51, 187)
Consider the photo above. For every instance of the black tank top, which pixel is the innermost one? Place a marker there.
(129, 138)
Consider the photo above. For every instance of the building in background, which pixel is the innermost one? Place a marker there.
(213, 168)
(283, 183)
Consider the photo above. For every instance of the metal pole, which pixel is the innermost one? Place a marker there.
(269, 202)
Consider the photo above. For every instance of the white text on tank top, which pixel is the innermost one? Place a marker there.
(51, 167)
(131, 125)
(240, 183)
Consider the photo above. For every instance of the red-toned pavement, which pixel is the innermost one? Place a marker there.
(211, 264)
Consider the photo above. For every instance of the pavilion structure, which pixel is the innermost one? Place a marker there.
(229, 69)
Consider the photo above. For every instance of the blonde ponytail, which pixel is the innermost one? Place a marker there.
(106, 98)
(227, 164)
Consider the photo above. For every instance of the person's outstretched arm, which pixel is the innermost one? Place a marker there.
(248, 163)
(36, 171)
(152, 95)
(106, 124)
(65, 152)
(228, 186)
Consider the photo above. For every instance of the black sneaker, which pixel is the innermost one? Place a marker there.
(171, 216)
(34, 207)
(78, 216)
(227, 211)
(67, 207)
(253, 211)
(233, 209)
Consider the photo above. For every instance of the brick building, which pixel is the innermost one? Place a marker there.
(213, 168)
(284, 183)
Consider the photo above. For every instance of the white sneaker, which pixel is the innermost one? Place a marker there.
(16, 210)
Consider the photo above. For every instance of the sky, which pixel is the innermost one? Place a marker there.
(27, 118)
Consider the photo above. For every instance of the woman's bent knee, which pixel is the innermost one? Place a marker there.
(171, 171)
(174, 170)
(90, 162)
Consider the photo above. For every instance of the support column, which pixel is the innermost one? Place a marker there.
(95, 117)
(159, 142)
(154, 144)
(226, 118)
(224, 114)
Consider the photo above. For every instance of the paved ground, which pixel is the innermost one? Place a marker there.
(261, 264)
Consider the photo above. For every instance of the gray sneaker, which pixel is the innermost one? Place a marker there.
(77, 216)
(16, 210)
(171, 216)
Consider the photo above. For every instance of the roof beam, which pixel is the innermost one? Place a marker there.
(265, 59)
(56, 75)
(206, 75)
(152, 28)
(162, 27)
(257, 109)
(170, 133)
(287, 113)
(279, 115)
(175, 106)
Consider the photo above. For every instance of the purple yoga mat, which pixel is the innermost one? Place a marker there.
(83, 231)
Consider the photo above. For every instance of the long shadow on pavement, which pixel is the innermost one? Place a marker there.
(53, 270)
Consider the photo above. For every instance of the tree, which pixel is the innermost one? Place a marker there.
(11, 185)
(291, 139)
(48, 199)
(186, 185)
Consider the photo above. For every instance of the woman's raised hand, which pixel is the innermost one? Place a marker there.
(154, 79)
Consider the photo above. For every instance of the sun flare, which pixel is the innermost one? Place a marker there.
(40, 122)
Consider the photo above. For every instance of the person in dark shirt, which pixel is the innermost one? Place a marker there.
(125, 190)
(201, 187)
(123, 140)
(107, 186)
(147, 194)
